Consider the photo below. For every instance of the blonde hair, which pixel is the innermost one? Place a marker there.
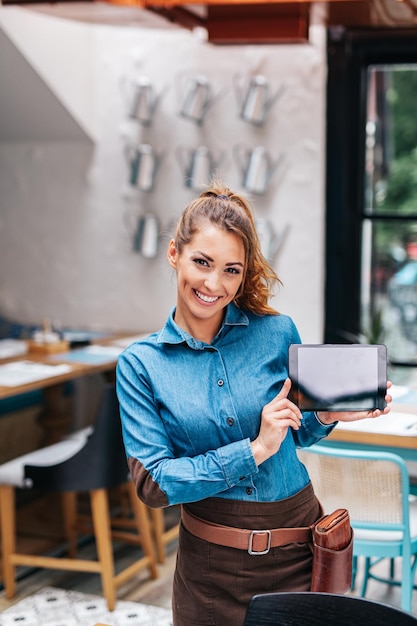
(232, 212)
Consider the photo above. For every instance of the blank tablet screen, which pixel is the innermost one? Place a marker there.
(338, 377)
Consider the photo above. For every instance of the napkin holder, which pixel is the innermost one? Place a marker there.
(47, 342)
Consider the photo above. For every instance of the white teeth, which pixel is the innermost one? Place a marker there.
(206, 298)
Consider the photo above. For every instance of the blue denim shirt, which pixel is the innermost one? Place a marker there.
(189, 410)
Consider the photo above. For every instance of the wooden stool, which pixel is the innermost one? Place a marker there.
(92, 462)
(161, 536)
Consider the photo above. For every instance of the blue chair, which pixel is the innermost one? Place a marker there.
(374, 487)
(412, 471)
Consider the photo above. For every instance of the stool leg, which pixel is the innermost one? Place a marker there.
(124, 500)
(158, 527)
(69, 507)
(140, 513)
(101, 523)
(8, 537)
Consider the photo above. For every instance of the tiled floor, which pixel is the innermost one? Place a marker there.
(385, 593)
(51, 606)
(40, 530)
(142, 589)
(156, 593)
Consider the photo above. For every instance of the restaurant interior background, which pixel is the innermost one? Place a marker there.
(90, 189)
(68, 212)
(111, 118)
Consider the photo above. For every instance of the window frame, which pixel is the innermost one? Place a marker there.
(349, 54)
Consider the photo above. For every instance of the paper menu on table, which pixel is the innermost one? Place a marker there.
(112, 351)
(12, 347)
(25, 372)
(397, 391)
(402, 395)
(402, 424)
(90, 355)
(125, 342)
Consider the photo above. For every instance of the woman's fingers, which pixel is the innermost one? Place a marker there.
(277, 416)
(285, 390)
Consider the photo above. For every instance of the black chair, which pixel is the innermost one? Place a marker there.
(92, 460)
(322, 609)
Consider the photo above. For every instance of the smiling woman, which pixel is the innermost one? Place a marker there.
(208, 424)
(209, 275)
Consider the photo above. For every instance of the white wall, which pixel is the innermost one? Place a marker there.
(65, 246)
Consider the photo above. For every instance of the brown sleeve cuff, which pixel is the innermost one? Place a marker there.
(147, 489)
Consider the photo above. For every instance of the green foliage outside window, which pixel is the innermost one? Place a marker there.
(401, 182)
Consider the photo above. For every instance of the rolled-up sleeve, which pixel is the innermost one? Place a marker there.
(312, 430)
(179, 478)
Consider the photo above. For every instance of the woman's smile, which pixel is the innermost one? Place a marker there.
(205, 298)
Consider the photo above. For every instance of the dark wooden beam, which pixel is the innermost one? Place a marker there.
(258, 23)
(179, 15)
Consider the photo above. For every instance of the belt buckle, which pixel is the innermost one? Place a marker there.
(268, 543)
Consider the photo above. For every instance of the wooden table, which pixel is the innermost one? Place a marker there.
(56, 414)
(395, 432)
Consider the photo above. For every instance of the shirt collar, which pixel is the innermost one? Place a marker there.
(172, 333)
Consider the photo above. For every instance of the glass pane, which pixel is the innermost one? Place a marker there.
(389, 246)
(391, 140)
(389, 287)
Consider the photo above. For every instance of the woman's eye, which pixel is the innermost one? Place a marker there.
(232, 270)
(201, 262)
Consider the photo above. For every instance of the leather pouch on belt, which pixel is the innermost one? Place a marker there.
(332, 553)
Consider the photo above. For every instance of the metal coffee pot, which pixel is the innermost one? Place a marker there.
(255, 98)
(147, 236)
(144, 164)
(257, 167)
(145, 232)
(198, 166)
(270, 240)
(196, 98)
(143, 101)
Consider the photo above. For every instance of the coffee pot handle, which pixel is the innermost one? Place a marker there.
(214, 97)
(240, 85)
(130, 153)
(183, 155)
(241, 152)
(278, 93)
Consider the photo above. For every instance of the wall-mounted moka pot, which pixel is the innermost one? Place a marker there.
(142, 99)
(145, 233)
(198, 165)
(255, 98)
(270, 240)
(197, 97)
(257, 167)
(147, 236)
(144, 163)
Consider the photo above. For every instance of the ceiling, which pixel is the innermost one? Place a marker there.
(228, 21)
(50, 119)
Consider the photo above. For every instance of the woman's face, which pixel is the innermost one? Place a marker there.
(210, 270)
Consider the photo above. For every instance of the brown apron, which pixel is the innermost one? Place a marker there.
(213, 584)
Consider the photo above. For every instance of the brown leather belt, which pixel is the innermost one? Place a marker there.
(255, 542)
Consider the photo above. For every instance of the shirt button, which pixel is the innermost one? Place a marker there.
(230, 421)
(220, 382)
(249, 490)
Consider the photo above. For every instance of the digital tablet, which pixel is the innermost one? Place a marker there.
(338, 377)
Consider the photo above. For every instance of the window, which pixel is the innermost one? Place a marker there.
(371, 255)
(389, 225)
